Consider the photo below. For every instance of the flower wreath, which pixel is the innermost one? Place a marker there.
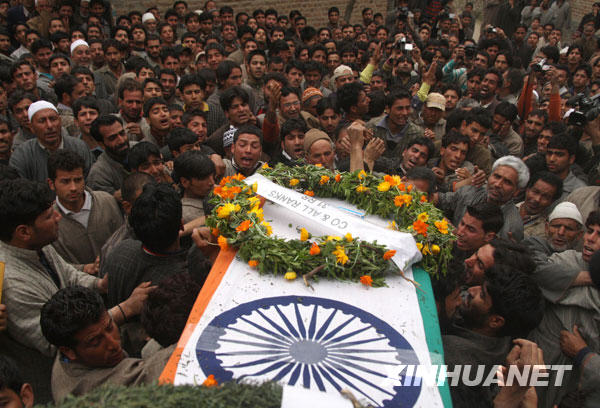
(237, 220)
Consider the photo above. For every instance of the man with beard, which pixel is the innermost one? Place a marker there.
(405, 76)
(564, 228)
(256, 68)
(572, 299)
(109, 171)
(543, 190)
(329, 116)
(292, 143)
(88, 219)
(535, 122)
(152, 47)
(509, 174)
(114, 68)
(491, 82)
(490, 317)
(130, 110)
(42, 51)
(31, 157)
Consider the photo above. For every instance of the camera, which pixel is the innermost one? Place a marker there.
(539, 67)
(403, 46)
(402, 13)
(586, 109)
(491, 29)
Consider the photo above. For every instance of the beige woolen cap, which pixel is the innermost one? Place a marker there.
(312, 136)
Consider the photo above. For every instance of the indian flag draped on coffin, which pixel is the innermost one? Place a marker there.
(317, 340)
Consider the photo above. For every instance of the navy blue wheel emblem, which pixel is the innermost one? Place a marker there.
(312, 342)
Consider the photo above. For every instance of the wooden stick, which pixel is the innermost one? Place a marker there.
(312, 273)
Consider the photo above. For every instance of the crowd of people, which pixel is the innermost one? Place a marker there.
(115, 129)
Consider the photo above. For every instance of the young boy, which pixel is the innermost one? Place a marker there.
(195, 172)
(192, 92)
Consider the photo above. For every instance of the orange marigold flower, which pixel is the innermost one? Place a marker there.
(222, 241)
(238, 176)
(318, 165)
(309, 193)
(389, 254)
(253, 263)
(210, 381)
(409, 188)
(366, 280)
(244, 226)
(215, 231)
(420, 227)
(393, 180)
(224, 181)
(404, 199)
(423, 199)
(338, 178)
(401, 187)
(314, 249)
(324, 180)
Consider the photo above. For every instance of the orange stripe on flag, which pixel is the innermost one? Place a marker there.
(211, 284)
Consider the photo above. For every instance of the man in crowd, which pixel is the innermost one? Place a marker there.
(108, 172)
(246, 150)
(563, 231)
(31, 157)
(87, 220)
(509, 174)
(543, 190)
(76, 322)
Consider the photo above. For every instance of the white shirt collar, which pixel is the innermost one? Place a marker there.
(87, 204)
